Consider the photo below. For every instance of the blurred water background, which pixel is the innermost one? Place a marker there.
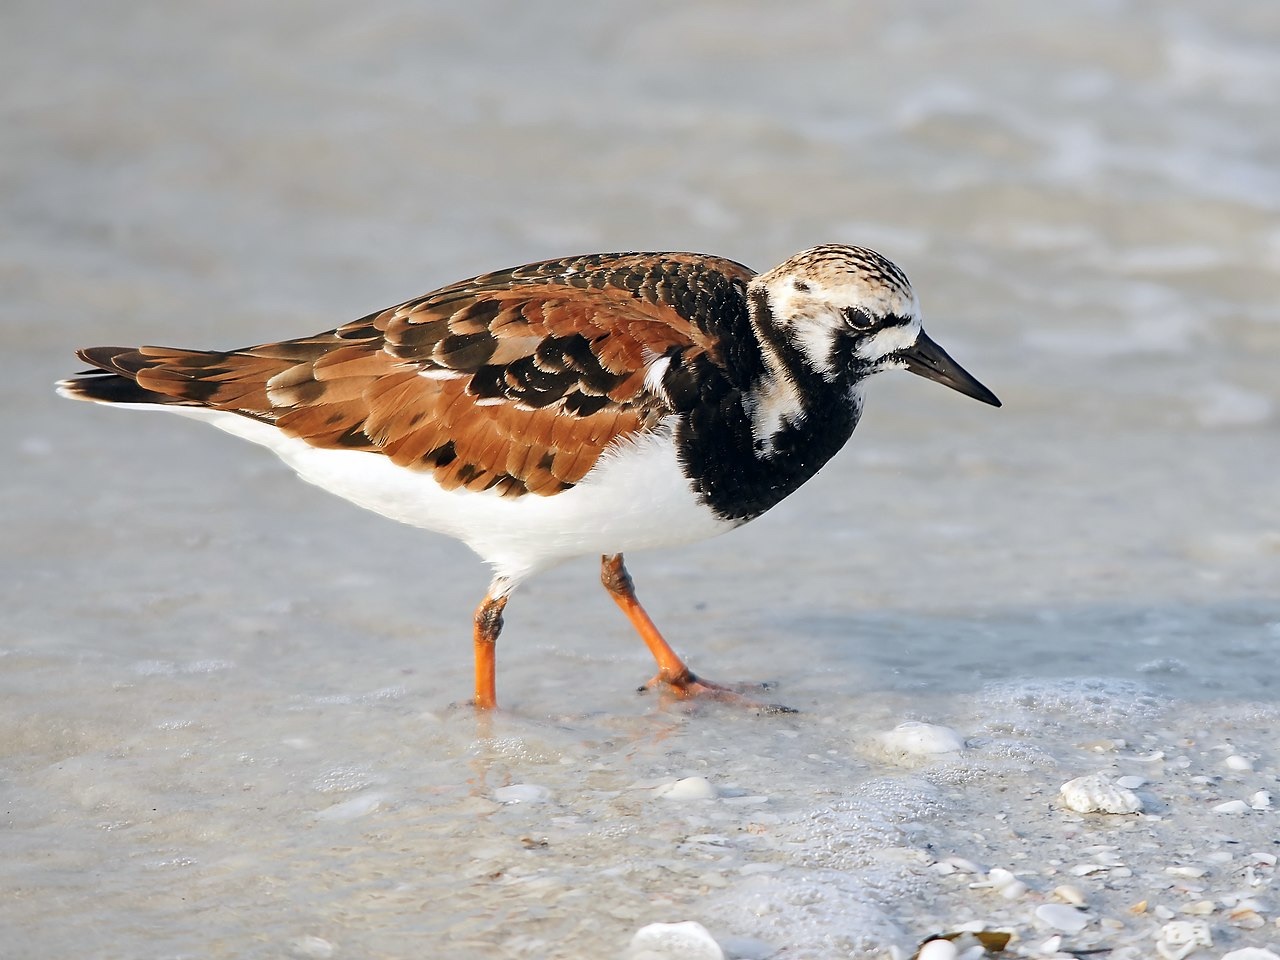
(226, 728)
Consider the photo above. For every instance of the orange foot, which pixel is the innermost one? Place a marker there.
(687, 686)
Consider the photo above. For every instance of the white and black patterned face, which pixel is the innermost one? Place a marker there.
(850, 312)
(843, 306)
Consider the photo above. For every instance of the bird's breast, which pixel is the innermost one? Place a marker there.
(746, 453)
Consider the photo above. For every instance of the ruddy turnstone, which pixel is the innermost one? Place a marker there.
(590, 405)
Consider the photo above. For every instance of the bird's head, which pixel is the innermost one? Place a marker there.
(851, 312)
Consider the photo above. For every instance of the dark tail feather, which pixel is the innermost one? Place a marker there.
(115, 378)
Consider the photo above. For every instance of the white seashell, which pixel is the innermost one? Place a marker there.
(675, 941)
(1012, 891)
(1246, 918)
(351, 809)
(1237, 762)
(921, 739)
(938, 950)
(963, 865)
(1251, 953)
(1085, 869)
(1107, 857)
(1131, 782)
(1187, 872)
(690, 788)
(1260, 800)
(311, 948)
(1059, 916)
(1181, 937)
(1232, 806)
(1103, 746)
(1097, 794)
(522, 793)
(1000, 877)
(1069, 894)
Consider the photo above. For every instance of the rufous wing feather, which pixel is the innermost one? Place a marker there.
(515, 381)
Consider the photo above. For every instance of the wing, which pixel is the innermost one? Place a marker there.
(516, 380)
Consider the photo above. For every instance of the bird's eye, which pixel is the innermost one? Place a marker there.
(858, 319)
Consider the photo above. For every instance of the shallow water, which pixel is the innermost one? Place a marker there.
(227, 725)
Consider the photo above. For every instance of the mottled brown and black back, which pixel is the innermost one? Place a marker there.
(516, 380)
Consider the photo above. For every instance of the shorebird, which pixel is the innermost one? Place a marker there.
(584, 406)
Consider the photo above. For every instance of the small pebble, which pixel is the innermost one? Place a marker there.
(1251, 953)
(674, 941)
(1237, 762)
(746, 948)
(1185, 871)
(1062, 917)
(690, 788)
(922, 739)
(1260, 800)
(1232, 806)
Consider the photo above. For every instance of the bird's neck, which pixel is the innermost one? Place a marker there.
(769, 434)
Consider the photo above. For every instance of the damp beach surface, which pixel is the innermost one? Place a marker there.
(228, 726)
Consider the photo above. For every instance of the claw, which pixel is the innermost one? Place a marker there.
(688, 687)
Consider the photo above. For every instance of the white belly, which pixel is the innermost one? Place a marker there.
(635, 497)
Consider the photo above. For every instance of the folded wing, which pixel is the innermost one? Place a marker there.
(515, 381)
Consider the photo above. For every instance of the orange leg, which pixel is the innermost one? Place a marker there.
(488, 624)
(672, 671)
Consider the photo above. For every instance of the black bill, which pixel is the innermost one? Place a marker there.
(926, 359)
